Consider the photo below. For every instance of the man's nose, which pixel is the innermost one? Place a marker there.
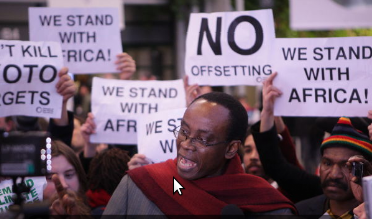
(336, 172)
(255, 155)
(187, 144)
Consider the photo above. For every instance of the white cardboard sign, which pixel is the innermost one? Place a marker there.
(118, 104)
(155, 134)
(324, 76)
(229, 48)
(28, 75)
(90, 37)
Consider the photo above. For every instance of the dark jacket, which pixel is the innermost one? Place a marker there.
(316, 206)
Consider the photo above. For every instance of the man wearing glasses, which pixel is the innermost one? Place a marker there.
(207, 166)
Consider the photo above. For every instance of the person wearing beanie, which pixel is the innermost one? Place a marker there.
(330, 194)
(338, 199)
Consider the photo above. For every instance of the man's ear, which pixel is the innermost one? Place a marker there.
(232, 149)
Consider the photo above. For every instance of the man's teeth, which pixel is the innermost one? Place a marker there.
(186, 162)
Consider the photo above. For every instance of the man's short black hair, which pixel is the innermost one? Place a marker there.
(238, 115)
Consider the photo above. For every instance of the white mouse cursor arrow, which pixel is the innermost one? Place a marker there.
(177, 186)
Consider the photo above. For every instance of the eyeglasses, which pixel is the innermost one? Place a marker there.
(182, 135)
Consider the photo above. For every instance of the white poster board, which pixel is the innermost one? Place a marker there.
(229, 48)
(330, 14)
(90, 37)
(93, 4)
(324, 76)
(155, 134)
(118, 104)
(36, 184)
(28, 76)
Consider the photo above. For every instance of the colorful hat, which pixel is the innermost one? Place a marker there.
(345, 135)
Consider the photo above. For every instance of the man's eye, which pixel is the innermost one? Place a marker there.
(201, 140)
(248, 151)
(183, 132)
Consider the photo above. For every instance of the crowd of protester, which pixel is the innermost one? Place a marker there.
(225, 162)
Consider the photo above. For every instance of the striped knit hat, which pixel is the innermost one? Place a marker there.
(345, 135)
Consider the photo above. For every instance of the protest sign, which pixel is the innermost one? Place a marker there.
(118, 104)
(36, 192)
(91, 3)
(323, 76)
(90, 37)
(155, 134)
(229, 48)
(28, 75)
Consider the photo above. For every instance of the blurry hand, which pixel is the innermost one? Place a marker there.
(191, 91)
(137, 160)
(126, 65)
(65, 85)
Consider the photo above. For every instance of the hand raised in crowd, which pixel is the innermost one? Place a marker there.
(67, 203)
(65, 85)
(269, 94)
(191, 91)
(66, 88)
(360, 211)
(87, 129)
(370, 126)
(138, 160)
(356, 182)
(126, 65)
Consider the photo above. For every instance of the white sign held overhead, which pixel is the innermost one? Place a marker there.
(323, 76)
(229, 48)
(117, 105)
(91, 3)
(330, 14)
(28, 76)
(156, 139)
(90, 37)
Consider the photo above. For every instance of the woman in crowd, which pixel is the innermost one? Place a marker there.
(66, 183)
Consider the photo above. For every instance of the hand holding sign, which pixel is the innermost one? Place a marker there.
(126, 65)
(269, 94)
(138, 160)
(87, 129)
(65, 85)
(191, 91)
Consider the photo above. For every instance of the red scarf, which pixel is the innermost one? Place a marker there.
(207, 196)
(97, 198)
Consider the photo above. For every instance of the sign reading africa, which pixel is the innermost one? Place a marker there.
(28, 75)
(118, 104)
(90, 37)
(324, 76)
(229, 48)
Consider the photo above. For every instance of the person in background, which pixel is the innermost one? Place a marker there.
(207, 165)
(106, 170)
(66, 183)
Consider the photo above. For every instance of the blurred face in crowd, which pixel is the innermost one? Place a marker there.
(208, 122)
(252, 163)
(66, 173)
(334, 174)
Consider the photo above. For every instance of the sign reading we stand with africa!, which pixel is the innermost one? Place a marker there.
(117, 105)
(156, 139)
(28, 76)
(90, 37)
(323, 76)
